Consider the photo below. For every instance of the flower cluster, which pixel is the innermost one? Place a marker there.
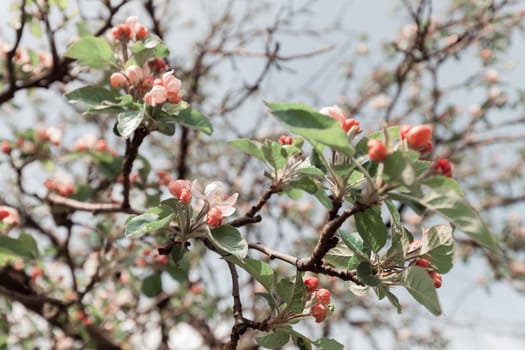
(89, 142)
(130, 30)
(218, 203)
(320, 299)
(141, 82)
(60, 184)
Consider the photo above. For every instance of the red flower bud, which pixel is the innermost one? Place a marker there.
(6, 147)
(443, 167)
(436, 278)
(323, 296)
(419, 136)
(376, 150)
(311, 283)
(349, 123)
(421, 262)
(319, 312)
(285, 140)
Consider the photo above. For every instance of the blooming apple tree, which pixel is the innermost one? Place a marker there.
(152, 230)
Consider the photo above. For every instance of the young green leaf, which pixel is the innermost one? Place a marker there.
(91, 95)
(456, 210)
(152, 220)
(250, 147)
(418, 283)
(129, 121)
(261, 271)
(398, 169)
(328, 344)
(275, 340)
(292, 293)
(367, 275)
(438, 246)
(229, 240)
(152, 285)
(194, 119)
(91, 51)
(371, 228)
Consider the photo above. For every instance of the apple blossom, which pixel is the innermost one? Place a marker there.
(135, 74)
(157, 95)
(338, 114)
(215, 195)
(85, 143)
(181, 189)
(214, 217)
(9, 216)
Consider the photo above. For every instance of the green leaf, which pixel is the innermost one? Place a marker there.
(261, 271)
(229, 240)
(443, 182)
(449, 204)
(357, 289)
(398, 168)
(312, 125)
(274, 154)
(129, 121)
(149, 48)
(339, 256)
(303, 183)
(419, 284)
(355, 244)
(367, 275)
(302, 342)
(274, 340)
(391, 297)
(91, 51)
(152, 220)
(152, 285)
(178, 251)
(438, 245)
(13, 248)
(194, 119)
(250, 147)
(328, 344)
(371, 228)
(91, 95)
(292, 293)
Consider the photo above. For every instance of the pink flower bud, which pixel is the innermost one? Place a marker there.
(118, 80)
(157, 95)
(135, 74)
